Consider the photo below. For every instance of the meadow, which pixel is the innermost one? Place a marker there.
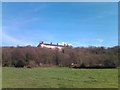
(56, 77)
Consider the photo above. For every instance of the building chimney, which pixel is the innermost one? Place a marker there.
(51, 43)
(67, 45)
(41, 42)
(64, 44)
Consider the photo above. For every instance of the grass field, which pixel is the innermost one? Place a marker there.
(59, 78)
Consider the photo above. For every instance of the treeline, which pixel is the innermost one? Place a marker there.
(29, 56)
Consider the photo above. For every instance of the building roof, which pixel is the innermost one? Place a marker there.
(54, 45)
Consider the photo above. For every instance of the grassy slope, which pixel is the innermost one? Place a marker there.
(59, 78)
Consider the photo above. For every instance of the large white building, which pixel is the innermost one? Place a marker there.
(52, 46)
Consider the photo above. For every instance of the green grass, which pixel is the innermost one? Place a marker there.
(59, 78)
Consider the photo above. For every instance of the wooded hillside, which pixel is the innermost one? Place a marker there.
(80, 57)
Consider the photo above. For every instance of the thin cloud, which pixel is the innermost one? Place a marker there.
(99, 40)
(106, 14)
(18, 27)
(20, 22)
(41, 7)
(25, 39)
(89, 42)
(13, 41)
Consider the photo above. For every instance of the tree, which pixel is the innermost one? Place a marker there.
(18, 57)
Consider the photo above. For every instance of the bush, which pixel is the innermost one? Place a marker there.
(19, 63)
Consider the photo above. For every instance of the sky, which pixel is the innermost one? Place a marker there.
(74, 23)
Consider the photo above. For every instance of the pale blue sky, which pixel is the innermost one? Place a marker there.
(79, 24)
